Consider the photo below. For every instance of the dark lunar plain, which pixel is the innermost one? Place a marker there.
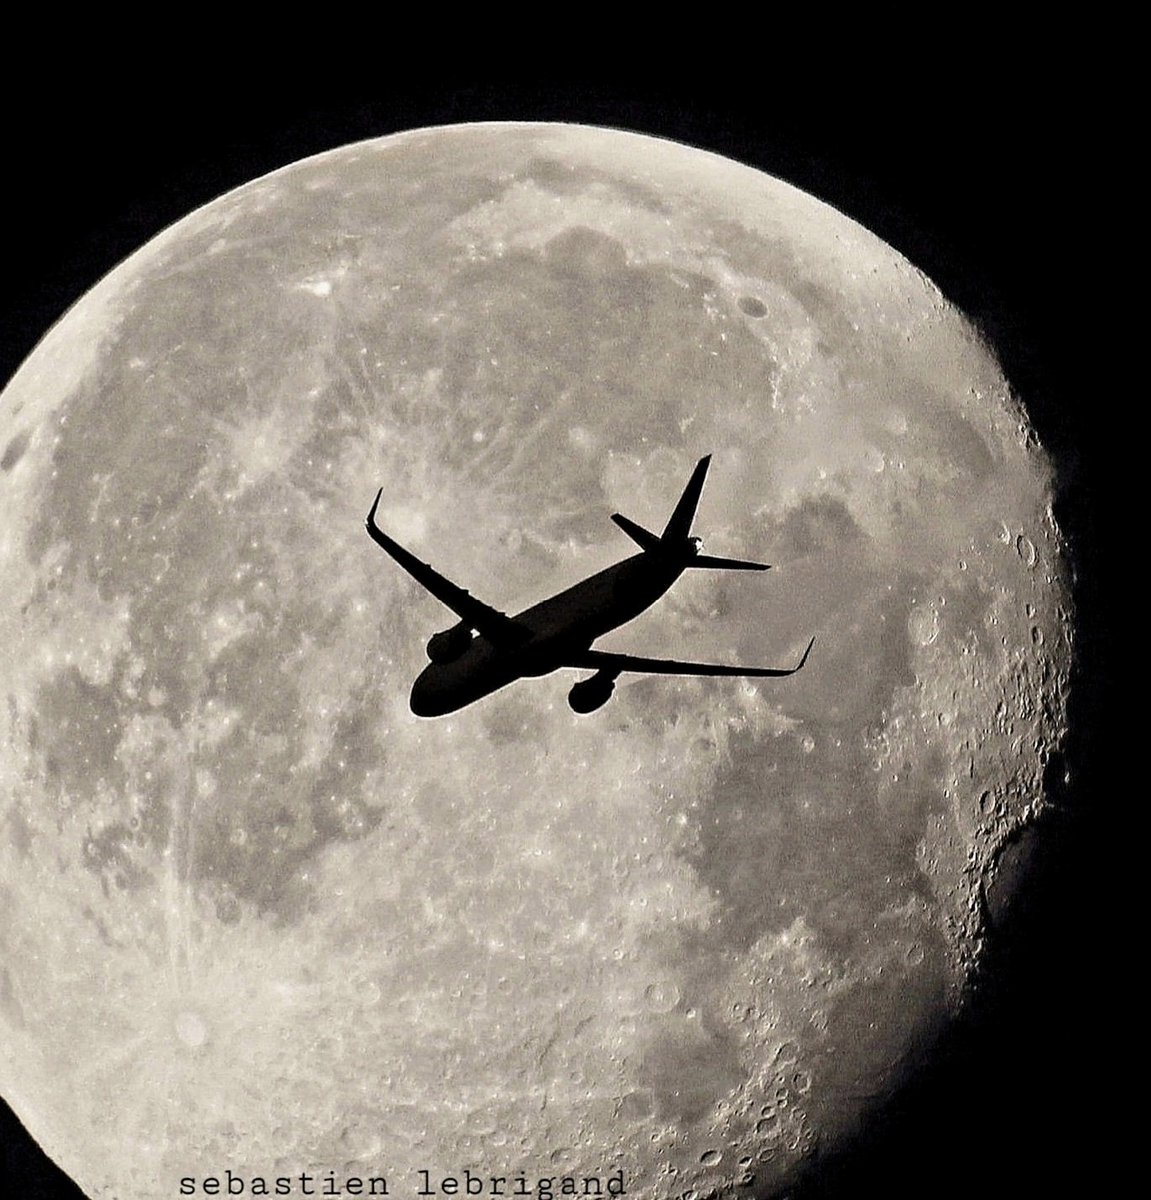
(991, 195)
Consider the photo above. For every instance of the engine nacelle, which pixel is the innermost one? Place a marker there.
(590, 694)
(447, 646)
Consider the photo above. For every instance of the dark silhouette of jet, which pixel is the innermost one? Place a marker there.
(486, 649)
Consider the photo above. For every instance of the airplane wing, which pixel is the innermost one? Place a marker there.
(496, 626)
(603, 660)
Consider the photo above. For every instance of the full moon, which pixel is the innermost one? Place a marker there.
(258, 919)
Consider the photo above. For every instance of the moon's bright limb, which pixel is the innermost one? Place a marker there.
(257, 917)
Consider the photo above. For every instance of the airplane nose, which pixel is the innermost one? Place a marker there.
(420, 702)
(424, 700)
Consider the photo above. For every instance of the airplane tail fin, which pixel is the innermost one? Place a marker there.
(676, 539)
(678, 527)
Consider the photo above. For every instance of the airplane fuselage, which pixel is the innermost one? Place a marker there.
(551, 632)
(486, 649)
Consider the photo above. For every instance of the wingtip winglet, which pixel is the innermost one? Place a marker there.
(370, 519)
(805, 654)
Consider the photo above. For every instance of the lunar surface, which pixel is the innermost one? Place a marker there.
(259, 918)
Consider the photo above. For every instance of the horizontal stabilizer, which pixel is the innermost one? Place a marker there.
(637, 533)
(727, 564)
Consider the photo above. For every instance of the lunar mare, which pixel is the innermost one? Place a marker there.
(257, 916)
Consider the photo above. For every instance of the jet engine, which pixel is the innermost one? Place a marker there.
(447, 646)
(590, 694)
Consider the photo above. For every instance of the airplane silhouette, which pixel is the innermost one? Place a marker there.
(486, 650)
